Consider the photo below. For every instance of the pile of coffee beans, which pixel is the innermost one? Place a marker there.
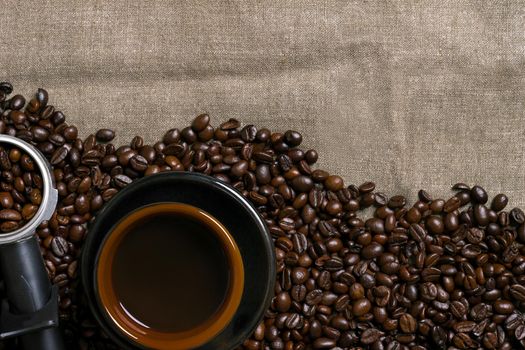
(20, 189)
(439, 274)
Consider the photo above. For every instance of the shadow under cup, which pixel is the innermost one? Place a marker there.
(169, 276)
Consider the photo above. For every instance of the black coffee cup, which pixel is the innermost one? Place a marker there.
(222, 212)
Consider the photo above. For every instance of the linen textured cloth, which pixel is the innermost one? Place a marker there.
(409, 94)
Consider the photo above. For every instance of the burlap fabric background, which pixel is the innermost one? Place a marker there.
(412, 94)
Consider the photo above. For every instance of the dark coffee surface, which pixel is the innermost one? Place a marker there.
(170, 273)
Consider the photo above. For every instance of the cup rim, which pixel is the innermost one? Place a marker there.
(218, 198)
(116, 315)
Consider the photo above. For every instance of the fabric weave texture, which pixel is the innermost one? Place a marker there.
(408, 94)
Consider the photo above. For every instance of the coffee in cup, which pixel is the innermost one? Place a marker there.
(170, 276)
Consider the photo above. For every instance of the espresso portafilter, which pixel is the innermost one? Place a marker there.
(30, 311)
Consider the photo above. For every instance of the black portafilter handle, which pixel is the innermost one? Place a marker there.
(31, 309)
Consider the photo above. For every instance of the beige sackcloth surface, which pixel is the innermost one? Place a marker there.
(409, 94)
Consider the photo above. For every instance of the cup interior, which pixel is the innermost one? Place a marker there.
(142, 334)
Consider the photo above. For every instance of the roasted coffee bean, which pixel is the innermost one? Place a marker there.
(439, 335)
(458, 309)
(239, 168)
(464, 326)
(397, 202)
(517, 216)
(499, 202)
(298, 293)
(341, 303)
(407, 323)
(230, 124)
(6, 87)
(481, 215)
(59, 155)
(283, 302)
(372, 250)
(452, 204)
(324, 343)
(7, 226)
(138, 163)
(517, 291)
(28, 211)
(17, 102)
(356, 291)
(70, 133)
(370, 336)
(503, 307)
(417, 232)
(474, 235)
(334, 183)
(380, 199)
(39, 134)
(121, 180)
(200, 122)
(300, 243)
(463, 341)
(424, 196)
(10, 215)
(6, 200)
(361, 307)
(435, 224)
(479, 195)
(302, 183)
(314, 297)
(299, 275)
(367, 187)
(59, 246)
(479, 312)
(171, 136)
(460, 186)
(105, 135)
(519, 333)
(413, 215)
